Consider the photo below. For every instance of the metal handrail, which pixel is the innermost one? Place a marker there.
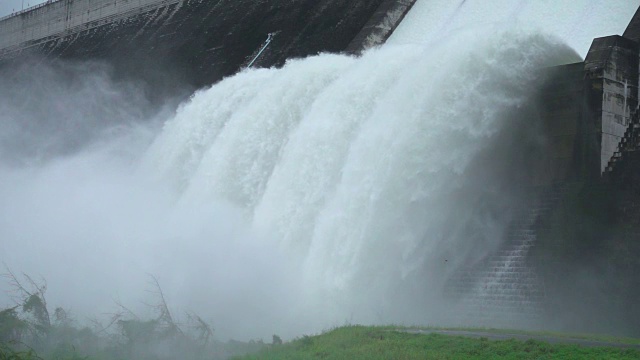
(48, 2)
(264, 47)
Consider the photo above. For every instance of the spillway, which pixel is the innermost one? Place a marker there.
(306, 192)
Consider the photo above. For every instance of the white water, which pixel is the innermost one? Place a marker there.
(286, 201)
(352, 166)
(576, 22)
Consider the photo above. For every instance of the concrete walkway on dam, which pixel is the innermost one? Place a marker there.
(491, 335)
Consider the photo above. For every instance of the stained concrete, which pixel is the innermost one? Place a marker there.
(171, 43)
(381, 25)
(586, 108)
(611, 70)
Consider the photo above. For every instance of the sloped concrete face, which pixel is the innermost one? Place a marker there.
(381, 25)
(68, 15)
(193, 42)
(633, 30)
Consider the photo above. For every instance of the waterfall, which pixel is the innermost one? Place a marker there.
(364, 171)
(333, 190)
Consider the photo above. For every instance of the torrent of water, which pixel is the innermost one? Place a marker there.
(355, 167)
(335, 189)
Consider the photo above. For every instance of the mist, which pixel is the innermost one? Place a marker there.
(77, 212)
(52, 109)
(334, 190)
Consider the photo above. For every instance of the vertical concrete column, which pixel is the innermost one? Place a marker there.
(611, 80)
(633, 33)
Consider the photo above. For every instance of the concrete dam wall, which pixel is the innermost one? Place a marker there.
(196, 42)
(54, 18)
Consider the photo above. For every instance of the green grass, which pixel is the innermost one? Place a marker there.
(359, 342)
(533, 333)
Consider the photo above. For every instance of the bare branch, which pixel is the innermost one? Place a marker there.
(205, 331)
(16, 284)
(125, 310)
(32, 298)
(162, 307)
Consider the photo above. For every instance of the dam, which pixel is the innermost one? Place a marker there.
(281, 129)
(590, 115)
(194, 42)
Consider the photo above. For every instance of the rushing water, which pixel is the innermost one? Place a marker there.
(333, 190)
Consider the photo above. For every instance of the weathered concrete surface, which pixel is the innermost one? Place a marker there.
(193, 42)
(381, 25)
(69, 16)
(586, 109)
(611, 71)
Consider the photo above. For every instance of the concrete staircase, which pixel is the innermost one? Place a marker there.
(630, 143)
(505, 290)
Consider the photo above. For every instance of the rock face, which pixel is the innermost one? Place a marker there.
(194, 42)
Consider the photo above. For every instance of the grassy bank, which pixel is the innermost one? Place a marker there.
(359, 342)
(31, 330)
(531, 333)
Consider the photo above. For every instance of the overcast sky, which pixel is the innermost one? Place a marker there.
(6, 6)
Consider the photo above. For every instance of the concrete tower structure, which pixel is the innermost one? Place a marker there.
(588, 107)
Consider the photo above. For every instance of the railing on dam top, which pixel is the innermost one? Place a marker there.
(29, 9)
(74, 21)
